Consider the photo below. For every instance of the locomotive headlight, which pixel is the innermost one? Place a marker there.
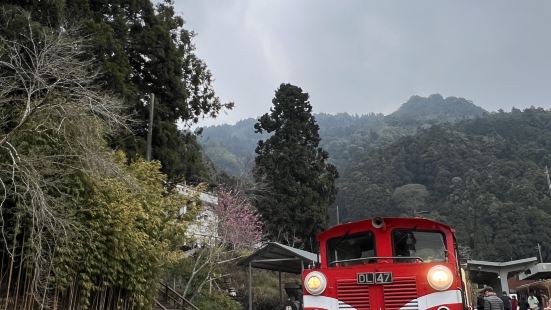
(315, 282)
(440, 277)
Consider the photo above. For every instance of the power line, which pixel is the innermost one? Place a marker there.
(539, 251)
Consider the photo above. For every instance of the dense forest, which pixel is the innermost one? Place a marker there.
(87, 223)
(483, 173)
(484, 176)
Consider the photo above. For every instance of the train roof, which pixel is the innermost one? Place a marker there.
(418, 222)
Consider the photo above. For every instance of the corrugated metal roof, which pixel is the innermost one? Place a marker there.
(278, 257)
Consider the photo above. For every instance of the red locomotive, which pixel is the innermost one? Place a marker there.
(386, 264)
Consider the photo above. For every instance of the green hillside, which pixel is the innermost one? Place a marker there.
(231, 147)
(483, 176)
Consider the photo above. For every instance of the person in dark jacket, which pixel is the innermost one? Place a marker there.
(480, 300)
(506, 301)
(491, 301)
(522, 303)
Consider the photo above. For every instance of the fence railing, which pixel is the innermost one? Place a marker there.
(174, 298)
(160, 305)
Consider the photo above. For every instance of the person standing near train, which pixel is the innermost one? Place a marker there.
(514, 302)
(480, 300)
(533, 302)
(507, 305)
(522, 303)
(491, 301)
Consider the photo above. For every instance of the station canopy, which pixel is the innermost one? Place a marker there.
(278, 257)
(537, 272)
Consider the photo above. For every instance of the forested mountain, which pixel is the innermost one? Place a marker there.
(435, 108)
(482, 174)
(231, 147)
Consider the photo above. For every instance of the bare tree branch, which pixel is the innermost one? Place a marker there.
(54, 118)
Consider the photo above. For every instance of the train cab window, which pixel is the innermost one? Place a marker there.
(348, 250)
(418, 246)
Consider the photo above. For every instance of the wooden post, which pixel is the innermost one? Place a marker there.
(250, 287)
(280, 289)
(150, 131)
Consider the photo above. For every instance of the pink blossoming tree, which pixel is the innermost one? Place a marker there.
(239, 225)
(236, 226)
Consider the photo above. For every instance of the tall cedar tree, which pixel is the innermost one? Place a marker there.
(141, 48)
(293, 167)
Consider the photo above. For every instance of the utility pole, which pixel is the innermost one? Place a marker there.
(548, 180)
(150, 130)
(338, 220)
(539, 251)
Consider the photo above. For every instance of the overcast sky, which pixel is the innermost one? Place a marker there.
(371, 56)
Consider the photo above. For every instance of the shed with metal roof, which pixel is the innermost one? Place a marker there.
(277, 257)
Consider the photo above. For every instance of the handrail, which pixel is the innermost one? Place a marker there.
(180, 297)
(160, 305)
(375, 257)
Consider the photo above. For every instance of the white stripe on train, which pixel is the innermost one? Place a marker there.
(437, 299)
(420, 303)
(323, 302)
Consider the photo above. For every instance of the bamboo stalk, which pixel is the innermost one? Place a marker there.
(20, 268)
(74, 296)
(32, 287)
(11, 264)
(26, 294)
(54, 306)
(110, 300)
(71, 290)
(46, 287)
(2, 269)
(24, 288)
(119, 298)
(101, 298)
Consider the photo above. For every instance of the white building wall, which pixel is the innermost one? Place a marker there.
(203, 230)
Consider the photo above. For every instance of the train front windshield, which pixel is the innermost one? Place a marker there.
(412, 245)
(349, 250)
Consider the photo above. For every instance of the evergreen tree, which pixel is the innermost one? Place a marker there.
(293, 168)
(141, 48)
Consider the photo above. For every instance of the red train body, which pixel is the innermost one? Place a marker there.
(386, 264)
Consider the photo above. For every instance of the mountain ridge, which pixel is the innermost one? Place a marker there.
(231, 147)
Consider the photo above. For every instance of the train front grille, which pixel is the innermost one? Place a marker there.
(401, 294)
(352, 295)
